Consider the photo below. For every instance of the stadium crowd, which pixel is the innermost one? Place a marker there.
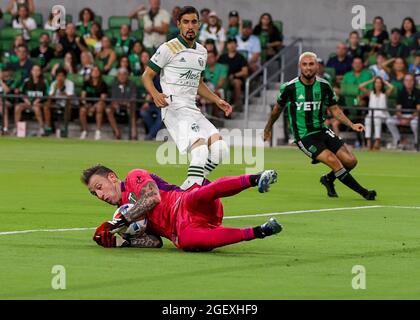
(43, 62)
(378, 68)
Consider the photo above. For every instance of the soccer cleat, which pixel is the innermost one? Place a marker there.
(267, 177)
(329, 185)
(271, 227)
(370, 195)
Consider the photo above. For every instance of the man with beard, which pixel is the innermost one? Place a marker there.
(181, 63)
(307, 97)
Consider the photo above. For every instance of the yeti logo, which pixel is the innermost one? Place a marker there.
(195, 127)
(201, 62)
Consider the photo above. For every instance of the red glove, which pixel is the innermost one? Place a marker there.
(103, 235)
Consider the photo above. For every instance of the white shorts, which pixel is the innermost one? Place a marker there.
(186, 126)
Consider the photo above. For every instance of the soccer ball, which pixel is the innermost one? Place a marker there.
(134, 230)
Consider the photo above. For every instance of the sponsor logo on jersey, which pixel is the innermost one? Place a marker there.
(312, 149)
(201, 62)
(308, 105)
(301, 97)
(182, 59)
(132, 197)
(195, 127)
(190, 75)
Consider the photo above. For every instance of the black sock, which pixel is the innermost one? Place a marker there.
(253, 179)
(346, 178)
(258, 232)
(331, 176)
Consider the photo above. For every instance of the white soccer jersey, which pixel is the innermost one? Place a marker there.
(180, 69)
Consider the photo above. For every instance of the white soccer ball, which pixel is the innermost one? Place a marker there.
(135, 229)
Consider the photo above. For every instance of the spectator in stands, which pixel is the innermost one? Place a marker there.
(25, 22)
(144, 59)
(398, 72)
(237, 70)
(24, 64)
(49, 24)
(408, 99)
(8, 84)
(151, 114)
(250, 46)
(87, 64)
(107, 55)
(210, 45)
(270, 37)
(125, 91)
(173, 26)
(377, 100)
(135, 57)
(124, 43)
(86, 19)
(44, 52)
(321, 71)
(204, 14)
(215, 76)
(234, 25)
(414, 68)
(381, 68)
(11, 56)
(378, 34)
(395, 48)
(355, 48)
(341, 62)
(60, 87)
(69, 64)
(94, 40)
(14, 5)
(214, 31)
(70, 42)
(156, 23)
(34, 88)
(123, 63)
(93, 88)
(414, 124)
(408, 33)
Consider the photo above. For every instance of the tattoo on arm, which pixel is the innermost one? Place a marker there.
(149, 197)
(340, 116)
(275, 114)
(146, 241)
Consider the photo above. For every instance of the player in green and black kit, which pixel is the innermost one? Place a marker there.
(307, 97)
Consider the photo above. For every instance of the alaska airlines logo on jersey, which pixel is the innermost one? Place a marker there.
(190, 75)
(308, 106)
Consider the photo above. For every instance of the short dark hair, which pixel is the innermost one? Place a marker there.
(99, 170)
(61, 70)
(187, 10)
(354, 32)
(396, 30)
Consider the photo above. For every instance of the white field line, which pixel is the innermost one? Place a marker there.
(232, 217)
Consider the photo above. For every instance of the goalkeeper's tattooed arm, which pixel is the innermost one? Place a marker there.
(149, 197)
(275, 114)
(146, 241)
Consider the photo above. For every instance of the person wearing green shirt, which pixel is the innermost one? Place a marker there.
(307, 98)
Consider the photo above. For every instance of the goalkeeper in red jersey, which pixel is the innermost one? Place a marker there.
(191, 219)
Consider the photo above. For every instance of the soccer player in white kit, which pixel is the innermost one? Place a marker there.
(181, 62)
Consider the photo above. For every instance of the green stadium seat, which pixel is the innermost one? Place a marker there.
(137, 34)
(76, 78)
(98, 19)
(137, 80)
(69, 18)
(115, 22)
(10, 33)
(39, 19)
(36, 61)
(112, 33)
(55, 61)
(410, 59)
(8, 19)
(331, 72)
(279, 25)
(36, 33)
(32, 44)
(349, 89)
(6, 44)
(109, 80)
(151, 51)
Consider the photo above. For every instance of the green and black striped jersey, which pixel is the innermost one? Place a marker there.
(306, 105)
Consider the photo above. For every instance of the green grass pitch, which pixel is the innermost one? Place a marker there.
(312, 258)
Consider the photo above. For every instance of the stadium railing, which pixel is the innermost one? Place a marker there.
(261, 87)
(74, 103)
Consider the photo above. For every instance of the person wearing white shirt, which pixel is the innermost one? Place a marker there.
(377, 100)
(181, 63)
(249, 45)
(25, 22)
(214, 31)
(155, 22)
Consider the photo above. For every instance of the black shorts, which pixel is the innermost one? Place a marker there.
(314, 144)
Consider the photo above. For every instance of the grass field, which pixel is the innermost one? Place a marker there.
(312, 258)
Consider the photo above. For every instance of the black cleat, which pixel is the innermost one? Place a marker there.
(271, 227)
(330, 186)
(370, 195)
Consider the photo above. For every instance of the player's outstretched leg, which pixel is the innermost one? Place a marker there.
(229, 186)
(204, 239)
